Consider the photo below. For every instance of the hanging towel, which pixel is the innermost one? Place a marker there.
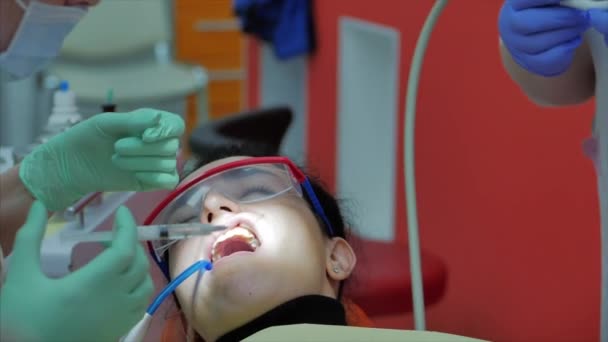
(287, 25)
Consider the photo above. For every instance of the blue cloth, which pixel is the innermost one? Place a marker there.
(286, 24)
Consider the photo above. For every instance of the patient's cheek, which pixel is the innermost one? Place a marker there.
(192, 250)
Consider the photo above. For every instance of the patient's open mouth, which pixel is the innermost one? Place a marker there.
(238, 239)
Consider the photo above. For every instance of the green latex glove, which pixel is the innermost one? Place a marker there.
(133, 151)
(100, 302)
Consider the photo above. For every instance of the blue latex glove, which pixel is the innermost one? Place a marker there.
(599, 21)
(99, 302)
(541, 35)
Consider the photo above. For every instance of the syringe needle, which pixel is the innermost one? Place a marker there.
(148, 233)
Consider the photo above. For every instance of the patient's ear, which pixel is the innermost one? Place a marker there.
(341, 259)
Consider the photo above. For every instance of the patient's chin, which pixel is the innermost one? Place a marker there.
(241, 284)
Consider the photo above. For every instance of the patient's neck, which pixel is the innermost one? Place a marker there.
(311, 309)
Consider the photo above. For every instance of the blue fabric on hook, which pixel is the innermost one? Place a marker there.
(287, 24)
(201, 265)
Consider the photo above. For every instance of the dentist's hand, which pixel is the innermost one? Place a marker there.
(99, 302)
(541, 35)
(133, 151)
(599, 21)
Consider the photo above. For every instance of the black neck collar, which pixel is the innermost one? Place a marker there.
(312, 309)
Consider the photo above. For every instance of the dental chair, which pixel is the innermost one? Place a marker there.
(174, 328)
(125, 46)
(264, 128)
(381, 284)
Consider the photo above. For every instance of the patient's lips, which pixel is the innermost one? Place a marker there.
(238, 239)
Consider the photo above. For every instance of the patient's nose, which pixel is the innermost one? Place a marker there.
(217, 205)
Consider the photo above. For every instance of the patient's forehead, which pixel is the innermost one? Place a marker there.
(210, 166)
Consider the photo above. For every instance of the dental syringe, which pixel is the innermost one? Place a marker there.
(148, 233)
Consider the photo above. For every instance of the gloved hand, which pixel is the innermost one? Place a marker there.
(541, 35)
(133, 151)
(599, 21)
(99, 302)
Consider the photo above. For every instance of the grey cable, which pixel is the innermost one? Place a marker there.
(410, 179)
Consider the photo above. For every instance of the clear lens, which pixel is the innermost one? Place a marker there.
(252, 183)
(242, 185)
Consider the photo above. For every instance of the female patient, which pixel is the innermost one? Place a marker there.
(282, 259)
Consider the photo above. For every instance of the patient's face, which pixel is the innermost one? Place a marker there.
(289, 261)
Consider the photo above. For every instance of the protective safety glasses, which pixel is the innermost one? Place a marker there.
(244, 181)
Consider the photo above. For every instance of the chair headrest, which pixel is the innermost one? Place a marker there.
(265, 127)
(174, 329)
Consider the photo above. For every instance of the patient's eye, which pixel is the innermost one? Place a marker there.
(254, 192)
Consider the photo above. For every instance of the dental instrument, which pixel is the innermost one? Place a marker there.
(585, 4)
(409, 160)
(148, 233)
(138, 332)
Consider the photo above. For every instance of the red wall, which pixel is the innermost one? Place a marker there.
(506, 196)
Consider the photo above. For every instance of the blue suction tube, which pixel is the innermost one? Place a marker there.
(201, 265)
(139, 331)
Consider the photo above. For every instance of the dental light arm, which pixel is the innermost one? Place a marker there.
(410, 179)
(409, 143)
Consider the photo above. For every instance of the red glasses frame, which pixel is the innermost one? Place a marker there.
(295, 171)
(299, 176)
